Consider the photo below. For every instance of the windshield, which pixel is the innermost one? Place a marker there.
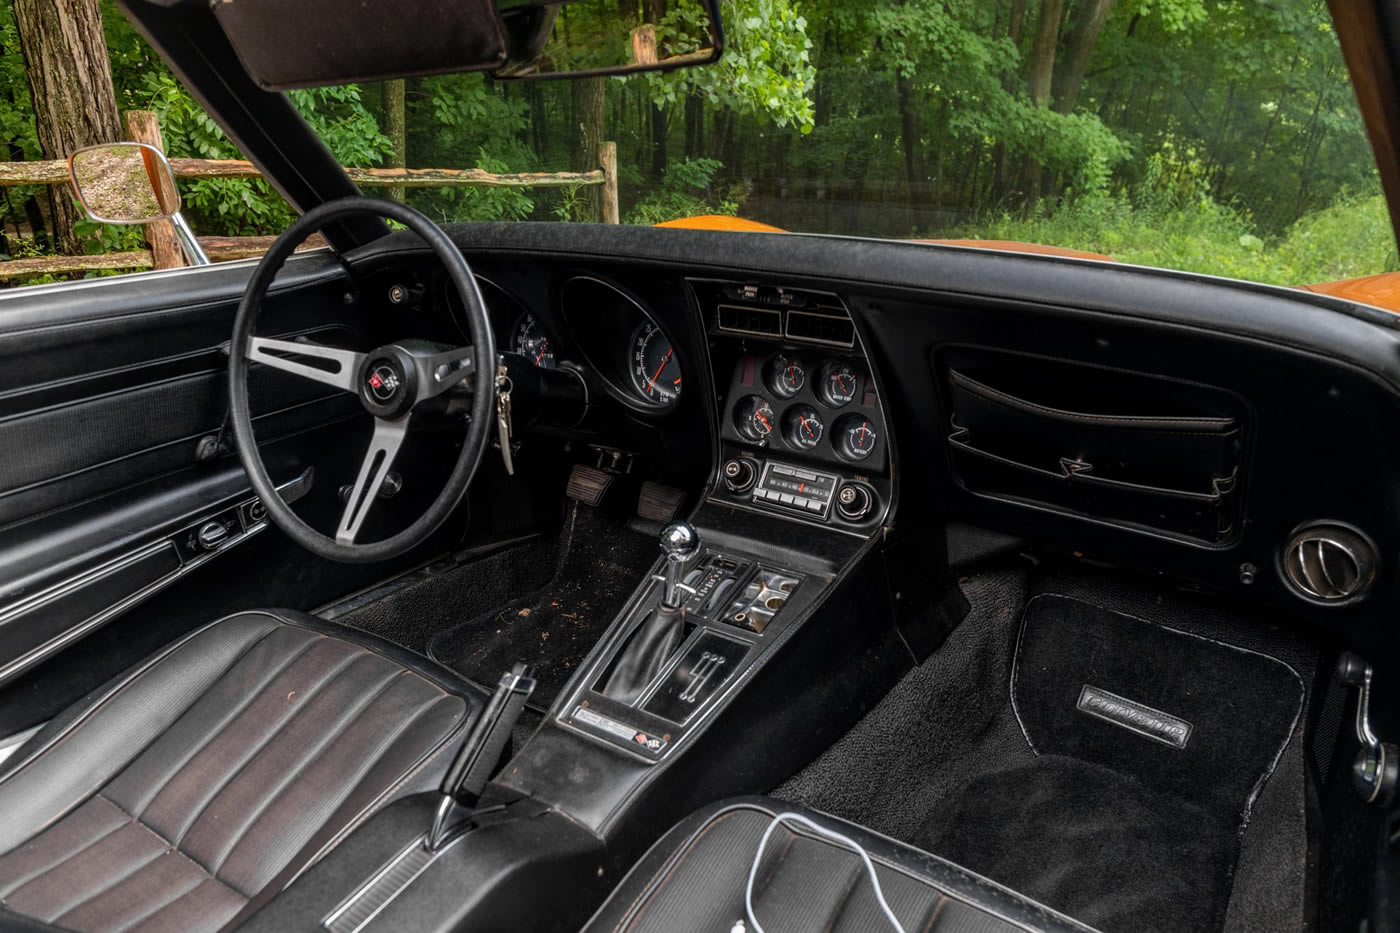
(1203, 135)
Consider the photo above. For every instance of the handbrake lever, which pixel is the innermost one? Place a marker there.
(480, 752)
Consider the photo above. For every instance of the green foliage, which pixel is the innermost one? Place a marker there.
(1347, 240)
(766, 68)
(683, 193)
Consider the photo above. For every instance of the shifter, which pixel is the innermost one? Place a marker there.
(663, 630)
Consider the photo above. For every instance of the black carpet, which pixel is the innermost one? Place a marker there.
(943, 761)
(412, 609)
(1092, 843)
(553, 628)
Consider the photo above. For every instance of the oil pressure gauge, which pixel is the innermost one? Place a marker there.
(802, 427)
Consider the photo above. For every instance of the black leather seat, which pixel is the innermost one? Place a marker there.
(187, 791)
(694, 878)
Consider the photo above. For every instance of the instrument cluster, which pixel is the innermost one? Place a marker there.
(822, 407)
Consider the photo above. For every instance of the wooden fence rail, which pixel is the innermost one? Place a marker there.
(164, 253)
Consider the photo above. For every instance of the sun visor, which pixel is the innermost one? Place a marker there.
(309, 43)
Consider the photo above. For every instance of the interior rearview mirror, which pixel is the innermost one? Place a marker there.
(583, 38)
(124, 183)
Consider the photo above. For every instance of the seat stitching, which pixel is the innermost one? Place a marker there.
(128, 682)
(373, 757)
(777, 862)
(103, 890)
(173, 847)
(655, 886)
(427, 757)
(361, 704)
(232, 714)
(264, 742)
(170, 898)
(76, 852)
(165, 907)
(840, 906)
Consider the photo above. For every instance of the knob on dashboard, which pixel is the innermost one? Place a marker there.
(855, 501)
(739, 475)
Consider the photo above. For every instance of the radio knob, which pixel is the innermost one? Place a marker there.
(855, 501)
(739, 475)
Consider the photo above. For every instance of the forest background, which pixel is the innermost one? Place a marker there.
(1218, 136)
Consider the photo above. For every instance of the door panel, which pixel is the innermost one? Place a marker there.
(107, 389)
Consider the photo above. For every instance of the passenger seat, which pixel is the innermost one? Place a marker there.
(694, 878)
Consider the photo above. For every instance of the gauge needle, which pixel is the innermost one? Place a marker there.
(543, 350)
(806, 427)
(765, 422)
(863, 426)
(657, 375)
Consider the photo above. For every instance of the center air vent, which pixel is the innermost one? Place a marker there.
(1329, 563)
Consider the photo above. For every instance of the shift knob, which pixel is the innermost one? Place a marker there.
(679, 542)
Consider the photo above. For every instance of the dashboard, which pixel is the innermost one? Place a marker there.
(1207, 432)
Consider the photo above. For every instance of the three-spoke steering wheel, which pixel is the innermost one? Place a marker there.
(391, 382)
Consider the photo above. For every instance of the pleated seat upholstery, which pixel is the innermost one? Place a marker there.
(185, 793)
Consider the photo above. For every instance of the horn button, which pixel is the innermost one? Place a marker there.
(388, 382)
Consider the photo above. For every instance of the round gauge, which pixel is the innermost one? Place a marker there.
(802, 427)
(855, 437)
(837, 384)
(754, 418)
(528, 339)
(785, 376)
(656, 373)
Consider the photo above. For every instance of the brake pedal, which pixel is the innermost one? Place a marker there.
(659, 503)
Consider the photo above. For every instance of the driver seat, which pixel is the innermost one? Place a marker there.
(189, 790)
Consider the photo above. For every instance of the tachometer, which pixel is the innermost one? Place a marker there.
(754, 418)
(528, 339)
(802, 427)
(656, 373)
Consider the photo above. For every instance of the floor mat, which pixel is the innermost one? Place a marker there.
(1184, 715)
(553, 628)
(1092, 843)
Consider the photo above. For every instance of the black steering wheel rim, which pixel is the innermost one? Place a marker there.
(483, 379)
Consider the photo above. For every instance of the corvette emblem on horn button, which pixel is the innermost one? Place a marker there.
(383, 382)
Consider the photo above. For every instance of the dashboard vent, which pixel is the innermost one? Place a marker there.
(829, 329)
(1329, 563)
(761, 322)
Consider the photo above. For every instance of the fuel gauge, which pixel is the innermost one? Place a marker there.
(754, 418)
(786, 377)
(855, 437)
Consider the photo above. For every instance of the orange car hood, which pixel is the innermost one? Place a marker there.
(1381, 291)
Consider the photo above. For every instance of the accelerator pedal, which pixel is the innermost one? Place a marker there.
(659, 503)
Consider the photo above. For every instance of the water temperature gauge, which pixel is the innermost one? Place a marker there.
(836, 385)
(754, 418)
(855, 437)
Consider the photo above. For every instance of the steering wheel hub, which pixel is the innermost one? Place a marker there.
(388, 383)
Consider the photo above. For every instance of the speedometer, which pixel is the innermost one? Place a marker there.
(656, 373)
(528, 339)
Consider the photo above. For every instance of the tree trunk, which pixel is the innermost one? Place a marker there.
(658, 143)
(1081, 42)
(1018, 21)
(1042, 72)
(70, 81)
(913, 144)
(395, 127)
(588, 99)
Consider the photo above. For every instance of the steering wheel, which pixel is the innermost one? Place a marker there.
(391, 382)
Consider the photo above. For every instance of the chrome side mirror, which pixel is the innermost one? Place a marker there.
(131, 183)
